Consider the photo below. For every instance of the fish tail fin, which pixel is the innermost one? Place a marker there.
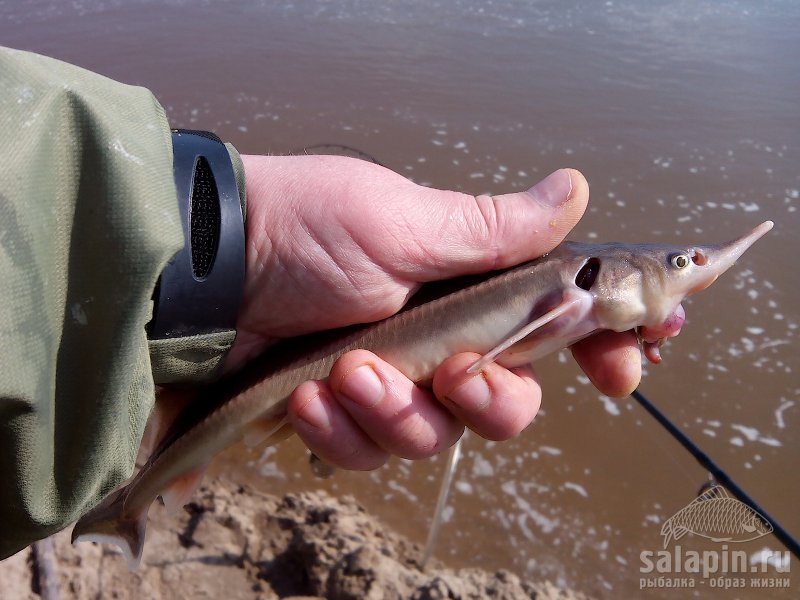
(668, 532)
(107, 523)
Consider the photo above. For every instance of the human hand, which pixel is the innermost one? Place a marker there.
(334, 241)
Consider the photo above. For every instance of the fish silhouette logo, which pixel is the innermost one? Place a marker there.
(718, 517)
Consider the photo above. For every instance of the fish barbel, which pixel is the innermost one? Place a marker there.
(513, 317)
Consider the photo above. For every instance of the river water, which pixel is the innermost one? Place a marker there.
(685, 118)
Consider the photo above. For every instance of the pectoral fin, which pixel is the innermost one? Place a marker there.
(265, 430)
(182, 488)
(568, 303)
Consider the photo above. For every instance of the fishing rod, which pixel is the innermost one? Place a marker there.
(717, 472)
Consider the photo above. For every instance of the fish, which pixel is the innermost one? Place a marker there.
(716, 516)
(512, 317)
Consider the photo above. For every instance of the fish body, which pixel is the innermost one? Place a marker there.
(718, 517)
(513, 318)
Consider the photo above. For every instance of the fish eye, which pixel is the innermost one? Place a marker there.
(680, 261)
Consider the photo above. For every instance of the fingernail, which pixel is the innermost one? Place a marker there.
(473, 395)
(554, 190)
(315, 413)
(363, 386)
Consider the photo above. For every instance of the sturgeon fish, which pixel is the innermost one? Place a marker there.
(513, 317)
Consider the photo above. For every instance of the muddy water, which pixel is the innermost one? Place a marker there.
(685, 118)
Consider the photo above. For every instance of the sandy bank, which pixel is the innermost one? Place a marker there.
(234, 543)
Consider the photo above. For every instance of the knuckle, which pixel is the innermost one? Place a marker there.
(486, 228)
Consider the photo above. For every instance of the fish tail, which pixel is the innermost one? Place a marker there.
(668, 532)
(108, 523)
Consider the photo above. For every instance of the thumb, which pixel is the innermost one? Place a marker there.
(483, 233)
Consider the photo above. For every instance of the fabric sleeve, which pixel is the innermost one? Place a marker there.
(88, 220)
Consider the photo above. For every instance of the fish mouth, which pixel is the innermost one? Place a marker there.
(713, 261)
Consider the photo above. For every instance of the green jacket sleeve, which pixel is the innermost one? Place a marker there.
(88, 220)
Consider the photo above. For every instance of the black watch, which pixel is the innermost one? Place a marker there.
(200, 289)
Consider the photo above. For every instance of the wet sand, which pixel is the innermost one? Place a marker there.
(231, 542)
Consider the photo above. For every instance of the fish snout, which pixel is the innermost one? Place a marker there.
(709, 262)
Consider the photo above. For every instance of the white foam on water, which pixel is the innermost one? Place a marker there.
(546, 524)
(754, 435)
(402, 490)
(447, 513)
(751, 433)
(464, 487)
(575, 487)
(611, 407)
(655, 519)
(482, 467)
(550, 450)
(770, 441)
(779, 421)
(271, 470)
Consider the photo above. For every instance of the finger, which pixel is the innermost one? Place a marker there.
(399, 416)
(490, 232)
(612, 361)
(496, 403)
(329, 431)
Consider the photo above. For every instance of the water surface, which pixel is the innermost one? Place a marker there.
(683, 116)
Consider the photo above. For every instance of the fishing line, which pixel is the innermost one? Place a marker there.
(719, 475)
(684, 468)
(336, 150)
(453, 456)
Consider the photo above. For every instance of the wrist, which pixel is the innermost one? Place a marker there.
(261, 194)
